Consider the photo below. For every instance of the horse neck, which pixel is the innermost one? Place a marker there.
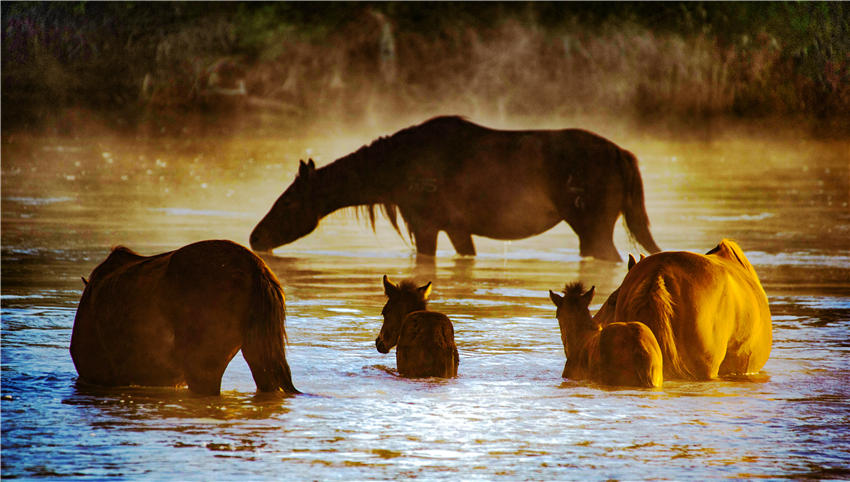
(583, 341)
(354, 180)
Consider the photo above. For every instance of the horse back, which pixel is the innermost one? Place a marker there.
(119, 327)
(210, 289)
(426, 346)
(700, 307)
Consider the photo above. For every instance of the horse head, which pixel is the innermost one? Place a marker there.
(402, 298)
(294, 214)
(573, 311)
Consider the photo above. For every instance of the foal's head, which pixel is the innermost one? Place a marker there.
(402, 298)
(573, 312)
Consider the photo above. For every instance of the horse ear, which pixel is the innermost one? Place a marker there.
(587, 297)
(556, 298)
(306, 169)
(389, 287)
(425, 291)
(642, 257)
(85, 281)
(632, 261)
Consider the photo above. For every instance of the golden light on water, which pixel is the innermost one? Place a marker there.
(183, 151)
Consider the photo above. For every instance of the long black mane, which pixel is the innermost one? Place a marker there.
(382, 154)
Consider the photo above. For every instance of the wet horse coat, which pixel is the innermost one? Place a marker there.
(425, 339)
(451, 175)
(180, 317)
(708, 312)
(619, 354)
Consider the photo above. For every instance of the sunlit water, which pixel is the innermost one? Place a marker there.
(509, 414)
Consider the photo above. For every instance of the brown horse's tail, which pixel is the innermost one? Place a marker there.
(655, 309)
(264, 335)
(634, 209)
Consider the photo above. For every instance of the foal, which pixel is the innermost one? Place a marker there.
(624, 354)
(425, 339)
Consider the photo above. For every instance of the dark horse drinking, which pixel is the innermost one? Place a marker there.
(180, 317)
(451, 175)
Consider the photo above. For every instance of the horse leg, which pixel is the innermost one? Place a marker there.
(597, 240)
(204, 370)
(594, 226)
(462, 242)
(426, 240)
(209, 342)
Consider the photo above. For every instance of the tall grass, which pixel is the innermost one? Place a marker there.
(291, 64)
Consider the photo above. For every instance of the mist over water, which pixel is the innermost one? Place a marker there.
(158, 125)
(65, 202)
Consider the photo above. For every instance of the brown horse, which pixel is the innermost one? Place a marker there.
(620, 354)
(425, 339)
(180, 317)
(451, 175)
(708, 312)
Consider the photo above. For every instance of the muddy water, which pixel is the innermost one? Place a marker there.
(509, 414)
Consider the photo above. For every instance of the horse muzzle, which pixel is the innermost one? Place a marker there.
(381, 346)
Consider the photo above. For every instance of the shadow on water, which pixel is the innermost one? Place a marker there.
(162, 403)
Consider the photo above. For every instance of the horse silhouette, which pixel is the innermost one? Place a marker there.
(448, 174)
(708, 312)
(619, 354)
(425, 339)
(180, 317)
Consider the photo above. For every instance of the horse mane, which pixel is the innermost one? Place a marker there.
(574, 289)
(376, 156)
(408, 286)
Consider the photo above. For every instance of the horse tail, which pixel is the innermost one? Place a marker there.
(654, 307)
(634, 209)
(264, 334)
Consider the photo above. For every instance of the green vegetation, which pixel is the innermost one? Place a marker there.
(151, 64)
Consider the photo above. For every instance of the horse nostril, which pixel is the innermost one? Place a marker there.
(380, 346)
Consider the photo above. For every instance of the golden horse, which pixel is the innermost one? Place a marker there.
(708, 312)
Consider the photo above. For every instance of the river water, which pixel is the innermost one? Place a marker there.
(66, 201)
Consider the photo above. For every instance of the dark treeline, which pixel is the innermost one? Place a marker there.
(132, 64)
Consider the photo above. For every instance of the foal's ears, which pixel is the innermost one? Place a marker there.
(389, 287)
(587, 297)
(556, 298)
(425, 291)
(85, 281)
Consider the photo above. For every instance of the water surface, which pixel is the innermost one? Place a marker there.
(65, 202)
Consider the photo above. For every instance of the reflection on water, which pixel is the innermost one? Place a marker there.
(508, 414)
